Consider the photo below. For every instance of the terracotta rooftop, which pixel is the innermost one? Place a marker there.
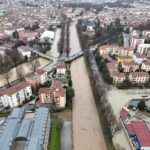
(61, 66)
(57, 84)
(45, 91)
(14, 89)
(139, 74)
(141, 130)
(40, 72)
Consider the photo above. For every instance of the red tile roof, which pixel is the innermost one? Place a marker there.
(61, 66)
(60, 93)
(130, 129)
(139, 74)
(142, 132)
(14, 89)
(139, 56)
(124, 114)
(130, 64)
(147, 63)
(57, 84)
(45, 91)
(40, 72)
(109, 46)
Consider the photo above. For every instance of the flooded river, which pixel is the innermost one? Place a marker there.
(87, 132)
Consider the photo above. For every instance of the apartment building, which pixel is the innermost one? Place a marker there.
(42, 75)
(46, 96)
(117, 77)
(143, 49)
(145, 66)
(139, 77)
(135, 41)
(61, 69)
(16, 95)
(138, 58)
(130, 66)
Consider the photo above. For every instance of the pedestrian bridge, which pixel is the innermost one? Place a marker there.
(66, 59)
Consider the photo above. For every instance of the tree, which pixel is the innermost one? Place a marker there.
(70, 82)
(141, 105)
(34, 65)
(70, 92)
(7, 76)
(20, 72)
(15, 34)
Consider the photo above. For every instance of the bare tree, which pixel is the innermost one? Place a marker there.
(7, 76)
(34, 65)
(20, 72)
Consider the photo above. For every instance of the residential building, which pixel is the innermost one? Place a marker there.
(26, 131)
(106, 49)
(138, 58)
(146, 33)
(135, 41)
(2, 51)
(61, 69)
(60, 97)
(139, 77)
(24, 51)
(139, 134)
(59, 94)
(117, 77)
(126, 52)
(125, 59)
(143, 49)
(112, 67)
(42, 75)
(126, 40)
(46, 96)
(16, 95)
(130, 66)
(146, 66)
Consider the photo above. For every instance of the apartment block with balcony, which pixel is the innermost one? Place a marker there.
(145, 66)
(16, 95)
(139, 77)
(130, 66)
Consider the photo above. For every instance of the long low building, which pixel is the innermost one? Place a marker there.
(26, 131)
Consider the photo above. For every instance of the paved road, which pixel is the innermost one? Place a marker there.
(66, 143)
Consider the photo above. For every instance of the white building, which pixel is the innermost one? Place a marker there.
(139, 77)
(24, 51)
(145, 66)
(61, 69)
(143, 49)
(135, 41)
(138, 58)
(146, 33)
(15, 95)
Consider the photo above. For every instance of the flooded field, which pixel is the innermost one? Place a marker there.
(53, 52)
(87, 132)
(27, 70)
(118, 99)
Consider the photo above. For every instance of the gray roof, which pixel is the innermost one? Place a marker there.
(9, 129)
(7, 134)
(39, 127)
(34, 144)
(134, 103)
(17, 113)
(17, 127)
(24, 129)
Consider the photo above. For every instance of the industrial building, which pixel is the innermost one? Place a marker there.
(26, 130)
